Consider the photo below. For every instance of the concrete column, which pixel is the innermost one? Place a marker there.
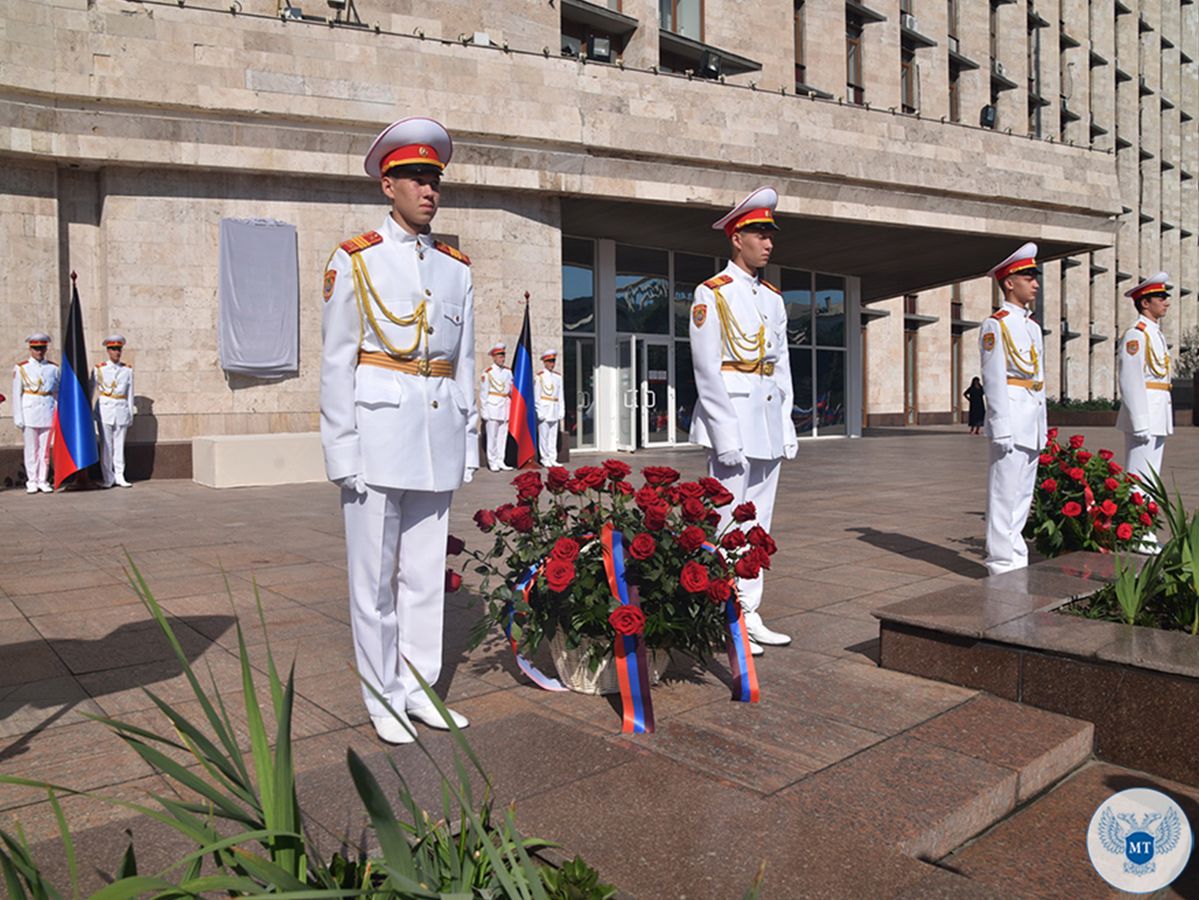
(1103, 322)
(82, 249)
(884, 365)
(880, 60)
(824, 52)
(1079, 73)
(974, 42)
(1051, 316)
(933, 388)
(1103, 78)
(1012, 52)
(933, 62)
(1076, 309)
(641, 51)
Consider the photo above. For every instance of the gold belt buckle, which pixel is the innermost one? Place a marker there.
(767, 368)
(424, 367)
(1037, 385)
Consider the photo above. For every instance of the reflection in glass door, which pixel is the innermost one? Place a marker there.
(626, 413)
(656, 393)
(579, 381)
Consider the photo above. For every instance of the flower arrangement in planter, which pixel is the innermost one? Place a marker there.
(601, 571)
(1086, 501)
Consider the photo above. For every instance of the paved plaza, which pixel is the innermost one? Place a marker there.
(846, 780)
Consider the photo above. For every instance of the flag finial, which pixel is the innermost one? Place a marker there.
(526, 296)
(74, 275)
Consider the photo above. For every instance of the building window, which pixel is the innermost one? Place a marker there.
(816, 336)
(909, 81)
(642, 290)
(855, 87)
(800, 67)
(578, 341)
(685, 17)
(1035, 101)
(955, 93)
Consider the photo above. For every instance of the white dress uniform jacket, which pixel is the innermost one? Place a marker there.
(1145, 404)
(738, 319)
(399, 430)
(550, 407)
(495, 393)
(112, 386)
(34, 393)
(1013, 371)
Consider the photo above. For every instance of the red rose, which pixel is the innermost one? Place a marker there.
(719, 591)
(565, 548)
(724, 498)
(1114, 468)
(1051, 434)
(1137, 498)
(454, 545)
(528, 485)
(1111, 484)
(1146, 519)
(1046, 459)
(521, 519)
(1077, 474)
(694, 510)
(646, 498)
(1072, 509)
(655, 518)
(575, 486)
(713, 518)
(711, 486)
(627, 620)
(1152, 507)
(622, 487)
(746, 512)
(1054, 449)
(692, 538)
(694, 578)
(556, 479)
(559, 574)
(762, 557)
(1084, 457)
(503, 512)
(1106, 455)
(734, 540)
(748, 567)
(1076, 441)
(672, 496)
(643, 546)
(1108, 507)
(616, 470)
(453, 581)
(691, 489)
(592, 476)
(485, 519)
(759, 537)
(1124, 531)
(1049, 485)
(659, 476)
(1103, 524)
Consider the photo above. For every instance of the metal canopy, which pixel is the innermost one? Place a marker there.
(890, 260)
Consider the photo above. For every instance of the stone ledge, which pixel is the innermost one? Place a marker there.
(246, 460)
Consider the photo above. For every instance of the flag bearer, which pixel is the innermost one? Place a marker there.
(112, 386)
(550, 408)
(495, 397)
(34, 394)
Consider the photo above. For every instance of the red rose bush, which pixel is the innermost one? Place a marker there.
(681, 564)
(1085, 501)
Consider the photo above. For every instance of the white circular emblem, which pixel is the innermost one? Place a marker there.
(423, 151)
(1139, 840)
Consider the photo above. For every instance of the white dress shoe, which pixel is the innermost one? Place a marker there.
(759, 633)
(31, 488)
(431, 717)
(123, 484)
(45, 488)
(392, 730)
(755, 649)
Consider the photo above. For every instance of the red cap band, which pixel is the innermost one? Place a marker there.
(1012, 268)
(411, 155)
(763, 216)
(1155, 288)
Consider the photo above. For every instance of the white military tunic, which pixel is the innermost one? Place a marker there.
(34, 394)
(112, 386)
(495, 399)
(1012, 353)
(409, 436)
(547, 388)
(743, 380)
(1145, 404)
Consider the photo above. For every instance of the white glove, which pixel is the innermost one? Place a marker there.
(790, 450)
(469, 475)
(355, 483)
(1141, 437)
(734, 459)
(1006, 444)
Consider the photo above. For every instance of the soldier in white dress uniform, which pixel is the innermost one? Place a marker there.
(743, 379)
(1146, 410)
(34, 394)
(550, 408)
(1012, 350)
(495, 399)
(112, 386)
(399, 424)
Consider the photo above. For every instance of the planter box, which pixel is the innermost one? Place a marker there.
(1139, 686)
(1073, 418)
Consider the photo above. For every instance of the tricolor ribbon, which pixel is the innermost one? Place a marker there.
(741, 660)
(632, 672)
(539, 678)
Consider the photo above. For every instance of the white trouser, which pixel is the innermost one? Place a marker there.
(37, 454)
(756, 483)
(1011, 479)
(497, 432)
(395, 548)
(112, 453)
(1141, 459)
(547, 442)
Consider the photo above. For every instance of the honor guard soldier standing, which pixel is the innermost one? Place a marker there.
(550, 408)
(112, 385)
(1012, 351)
(1146, 410)
(743, 379)
(399, 425)
(34, 394)
(495, 398)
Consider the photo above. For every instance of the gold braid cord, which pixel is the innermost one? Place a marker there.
(1025, 365)
(29, 385)
(368, 299)
(1156, 365)
(747, 352)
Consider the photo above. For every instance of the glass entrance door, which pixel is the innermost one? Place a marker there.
(626, 411)
(655, 370)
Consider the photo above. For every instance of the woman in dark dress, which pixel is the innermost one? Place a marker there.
(978, 410)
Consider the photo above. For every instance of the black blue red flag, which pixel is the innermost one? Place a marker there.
(74, 433)
(521, 448)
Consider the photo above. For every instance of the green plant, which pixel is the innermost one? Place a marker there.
(245, 820)
(1102, 404)
(1187, 361)
(576, 880)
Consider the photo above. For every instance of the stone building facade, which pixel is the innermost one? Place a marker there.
(595, 142)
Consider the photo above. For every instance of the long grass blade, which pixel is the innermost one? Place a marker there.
(68, 845)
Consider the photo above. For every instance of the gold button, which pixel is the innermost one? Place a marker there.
(435, 404)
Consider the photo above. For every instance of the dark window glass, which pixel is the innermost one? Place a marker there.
(642, 290)
(684, 390)
(830, 391)
(797, 298)
(689, 272)
(802, 411)
(578, 286)
(830, 311)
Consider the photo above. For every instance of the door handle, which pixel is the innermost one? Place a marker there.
(651, 398)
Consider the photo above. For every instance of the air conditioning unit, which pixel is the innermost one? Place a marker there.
(997, 68)
(955, 46)
(908, 21)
